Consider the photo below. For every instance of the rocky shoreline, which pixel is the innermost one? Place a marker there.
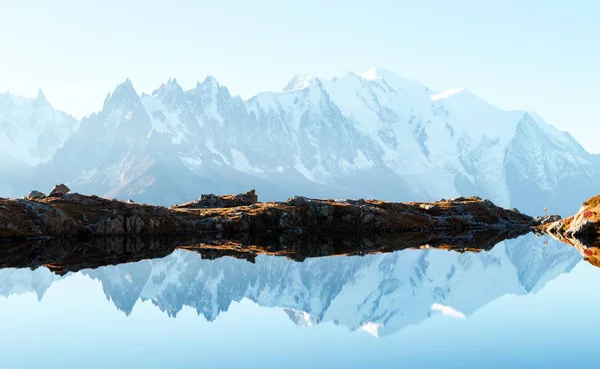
(67, 231)
(64, 214)
(581, 230)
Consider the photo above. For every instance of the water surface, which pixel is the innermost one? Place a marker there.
(527, 302)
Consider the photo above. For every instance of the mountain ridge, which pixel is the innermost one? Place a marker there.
(372, 134)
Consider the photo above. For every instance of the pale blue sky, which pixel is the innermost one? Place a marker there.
(537, 55)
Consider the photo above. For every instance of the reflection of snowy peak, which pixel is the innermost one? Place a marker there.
(377, 293)
(18, 281)
(373, 134)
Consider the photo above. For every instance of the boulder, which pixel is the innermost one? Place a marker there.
(225, 201)
(59, 191)
(35, 195)
(296, 201)
(247, 198)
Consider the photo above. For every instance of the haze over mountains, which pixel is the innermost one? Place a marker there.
(369, 135)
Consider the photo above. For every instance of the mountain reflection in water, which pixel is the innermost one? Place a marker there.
(378, 293)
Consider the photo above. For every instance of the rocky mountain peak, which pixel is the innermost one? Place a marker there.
(122, 95)
(373, 134)
(300, 81)
(41, 98)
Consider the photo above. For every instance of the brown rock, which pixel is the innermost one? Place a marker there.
(75, 214)
(59, 191)
(34, 195)
(226, 201)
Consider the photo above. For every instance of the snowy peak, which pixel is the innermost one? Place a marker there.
(123, 107)
(124, 92)
(41, 98)
(209, 85)
(170, 93)
(300, 81)
(209, 91)
(30, 129)
(125, 87)
(373, 134)
(167, 88)
(210, 81)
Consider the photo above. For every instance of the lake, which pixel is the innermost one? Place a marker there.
(527, 302)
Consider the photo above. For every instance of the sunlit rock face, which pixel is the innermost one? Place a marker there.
(581, 230)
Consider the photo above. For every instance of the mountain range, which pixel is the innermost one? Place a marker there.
(367, 135)
(377, 293)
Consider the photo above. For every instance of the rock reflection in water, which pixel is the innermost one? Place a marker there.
(67, 255)
(379, 293)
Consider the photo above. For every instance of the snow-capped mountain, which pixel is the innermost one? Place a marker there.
(379, 293)
(30, 133)
(31, 130)
(373, 134)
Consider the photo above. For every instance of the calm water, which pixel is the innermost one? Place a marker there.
(522, 304)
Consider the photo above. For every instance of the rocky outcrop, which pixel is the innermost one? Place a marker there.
(227, 201)
(581, 230)
(546, 219)
(59, 191)
(69, 231)
(73, 214)
(35, 195)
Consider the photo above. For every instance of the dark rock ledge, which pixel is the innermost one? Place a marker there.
(63, 214)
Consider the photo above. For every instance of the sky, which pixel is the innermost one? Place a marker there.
(536, 55)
